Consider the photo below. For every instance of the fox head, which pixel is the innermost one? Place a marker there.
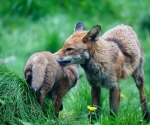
(76, 48)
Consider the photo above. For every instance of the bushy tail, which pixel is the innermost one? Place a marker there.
(38, 74)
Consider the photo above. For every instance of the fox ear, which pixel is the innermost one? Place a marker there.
(79, 26)
(93, 34)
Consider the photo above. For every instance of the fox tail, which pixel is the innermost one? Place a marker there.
(38, 74)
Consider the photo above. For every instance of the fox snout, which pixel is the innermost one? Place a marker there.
(63, 61)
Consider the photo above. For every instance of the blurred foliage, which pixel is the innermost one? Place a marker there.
(34, 9)
(29, 8)
(28, 26)
(144, 21)
(37, 8)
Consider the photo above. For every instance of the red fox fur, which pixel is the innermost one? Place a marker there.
(44, 74)
(116, 54)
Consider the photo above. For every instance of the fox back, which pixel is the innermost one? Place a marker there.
(126, 40)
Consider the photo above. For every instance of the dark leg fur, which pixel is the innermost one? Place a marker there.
(138, 76)
(114, 100)
(95, 95)
(61, 107)
(28, 77)
(57, 104)
(41, 96)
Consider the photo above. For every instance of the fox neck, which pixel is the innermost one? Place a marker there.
(99, 51)
(101, 55)
(93, 72)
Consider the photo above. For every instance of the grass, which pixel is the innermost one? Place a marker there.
(44, 26)
(18, 104)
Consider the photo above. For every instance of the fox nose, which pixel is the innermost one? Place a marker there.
(63, 61)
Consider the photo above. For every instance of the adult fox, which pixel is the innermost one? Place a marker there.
(116, 54)
(44, 74)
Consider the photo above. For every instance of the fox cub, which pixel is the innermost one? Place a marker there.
(44, 75)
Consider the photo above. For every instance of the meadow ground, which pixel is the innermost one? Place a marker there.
(29, 26)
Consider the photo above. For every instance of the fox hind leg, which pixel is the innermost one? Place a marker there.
(58, 104)
(28, 77)
(41, 96)
(138, 76)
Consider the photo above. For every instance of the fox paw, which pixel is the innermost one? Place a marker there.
(147, 117)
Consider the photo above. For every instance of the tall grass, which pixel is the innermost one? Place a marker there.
(18, 104)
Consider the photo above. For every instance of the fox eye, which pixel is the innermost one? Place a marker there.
(69, 49)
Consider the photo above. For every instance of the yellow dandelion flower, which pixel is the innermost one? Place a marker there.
(122, 96)
(91, 108)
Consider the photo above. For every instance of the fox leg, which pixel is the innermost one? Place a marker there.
(95, 95)
(57, 103)
(114, 100)
(138, 76)
(57, 97)
(47, 86)
(28, 77)
(41, 96)
(61, 107)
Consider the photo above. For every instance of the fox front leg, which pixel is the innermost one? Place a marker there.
(95, 95)
(114, 100)
(57, 103)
